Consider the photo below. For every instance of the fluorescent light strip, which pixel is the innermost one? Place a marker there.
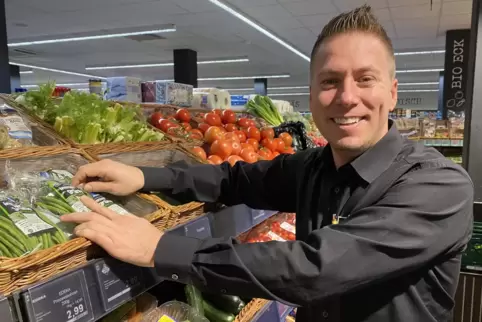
(221, 61)
(243, 77)
(418, 84)
(306, 87)
(106, 36)
(261, 29)
(26, 72)
(289, 94)
(419, 70)
(56, 70)
(428, 52)
(417, 90)
(63, 85)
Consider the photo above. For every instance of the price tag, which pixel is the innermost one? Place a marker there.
(119, 282)
(5, 311)
(65, 299)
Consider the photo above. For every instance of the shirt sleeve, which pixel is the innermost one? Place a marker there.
(426, 214)
(268, 185)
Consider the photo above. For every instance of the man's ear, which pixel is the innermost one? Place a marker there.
(394, 92)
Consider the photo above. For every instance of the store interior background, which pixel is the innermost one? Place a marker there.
(413, 25)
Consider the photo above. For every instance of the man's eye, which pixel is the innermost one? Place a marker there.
(329, 82)
(365, 79)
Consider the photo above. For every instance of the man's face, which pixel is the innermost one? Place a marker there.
(352, 91)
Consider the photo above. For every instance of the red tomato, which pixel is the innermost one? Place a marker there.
(269, 144)
(247, 146)
(218, 112)
(173, 119)
(228, 117)
(164, 125)
(254, 143)
(287, 139)
(267, 132)
(248, 155)
(214, 159)
(241, 136)
(289, 150)
(236, 147)
(231, 136)
(231, 127)
(175, 130)
(275, 154)
(280, 145)
(197, 133)
(252, 123)
(212, 134)
(264, 154)
(212, 119)
(156, 118)
(244, 122)
(253, 133)
(198, 151)
(203, 127)
(233, 159)
(183, 115)
(186, 126)
(222, 148)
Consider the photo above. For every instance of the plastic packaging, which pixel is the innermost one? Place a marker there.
(281, 227)
(174, 311)
(297, 130)
(14, 130)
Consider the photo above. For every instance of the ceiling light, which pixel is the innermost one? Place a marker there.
(243, 77)
(55, 70)
(93, 37)
(220, 61)
(63, 85)
(26, 72)
(419, 70)
(428, 52)
(260, 29)
(289, 94)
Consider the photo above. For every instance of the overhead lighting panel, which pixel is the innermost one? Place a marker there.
(260, 28)
(170, 28)
(219, 61)
(426, 52)
(429, 70)
(56, 70)
(23, 72)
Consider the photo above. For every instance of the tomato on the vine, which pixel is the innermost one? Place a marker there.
(183, 115)
(253, 133)
(212, 134)
(156, 118)
(221, 148)
(203, 127)
(228, 117)
(267, 132)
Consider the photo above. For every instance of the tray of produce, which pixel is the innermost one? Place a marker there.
(84, 119)
(18, 130)
(35, 192)
(160, 156)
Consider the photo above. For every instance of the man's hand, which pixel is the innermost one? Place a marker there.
(126, 237)
(109, 176)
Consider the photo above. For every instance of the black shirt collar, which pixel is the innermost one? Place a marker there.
(373, 162)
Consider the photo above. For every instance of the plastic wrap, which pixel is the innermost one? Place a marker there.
(174, 311)
(297, 130)
(14, 130)
(281, 227)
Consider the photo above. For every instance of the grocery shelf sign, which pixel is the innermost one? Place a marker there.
(456, 70)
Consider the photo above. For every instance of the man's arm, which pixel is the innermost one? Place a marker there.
(423, 216)
(269, 185)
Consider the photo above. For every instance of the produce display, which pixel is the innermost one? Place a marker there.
(15, 131)
(87, 119)
(281, 227)
(30, 210)
(226, 137)
(263, 107)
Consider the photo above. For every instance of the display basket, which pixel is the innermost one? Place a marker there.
(250, 310)
(19, 272)
(151, 156)
(168, 139)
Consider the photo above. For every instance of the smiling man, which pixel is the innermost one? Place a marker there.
(381, 221)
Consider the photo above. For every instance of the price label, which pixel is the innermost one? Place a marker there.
(5, 311)
(65, 299)
(119, 282)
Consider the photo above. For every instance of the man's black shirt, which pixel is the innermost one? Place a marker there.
(404, 216)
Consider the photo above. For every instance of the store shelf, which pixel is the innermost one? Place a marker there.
(95, 289)
(441, 142)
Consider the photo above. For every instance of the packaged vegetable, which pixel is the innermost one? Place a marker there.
(281, 227)
(15, 132)
(301, 140)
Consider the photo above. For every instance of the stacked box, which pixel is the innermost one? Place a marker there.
(167, 93)
(126, 89)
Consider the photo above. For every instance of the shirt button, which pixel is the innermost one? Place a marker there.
(223, 291)
(174, 277)
(325, 314)
(337, 190)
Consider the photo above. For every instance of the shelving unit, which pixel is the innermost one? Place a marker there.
(92, 291)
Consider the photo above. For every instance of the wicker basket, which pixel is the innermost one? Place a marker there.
(19, 272)
(152, 156)
(250, 310)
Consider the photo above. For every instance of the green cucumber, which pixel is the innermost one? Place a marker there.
(213, 314)
(194, 298)
(229, 303)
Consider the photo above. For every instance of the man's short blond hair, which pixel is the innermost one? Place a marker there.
(360, 20)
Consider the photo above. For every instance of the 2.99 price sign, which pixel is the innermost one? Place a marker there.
(65, 299)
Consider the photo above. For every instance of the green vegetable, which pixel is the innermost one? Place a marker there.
(213, 314)
(229, 303)
(87, 119)
(263, 107)
(194, 298)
